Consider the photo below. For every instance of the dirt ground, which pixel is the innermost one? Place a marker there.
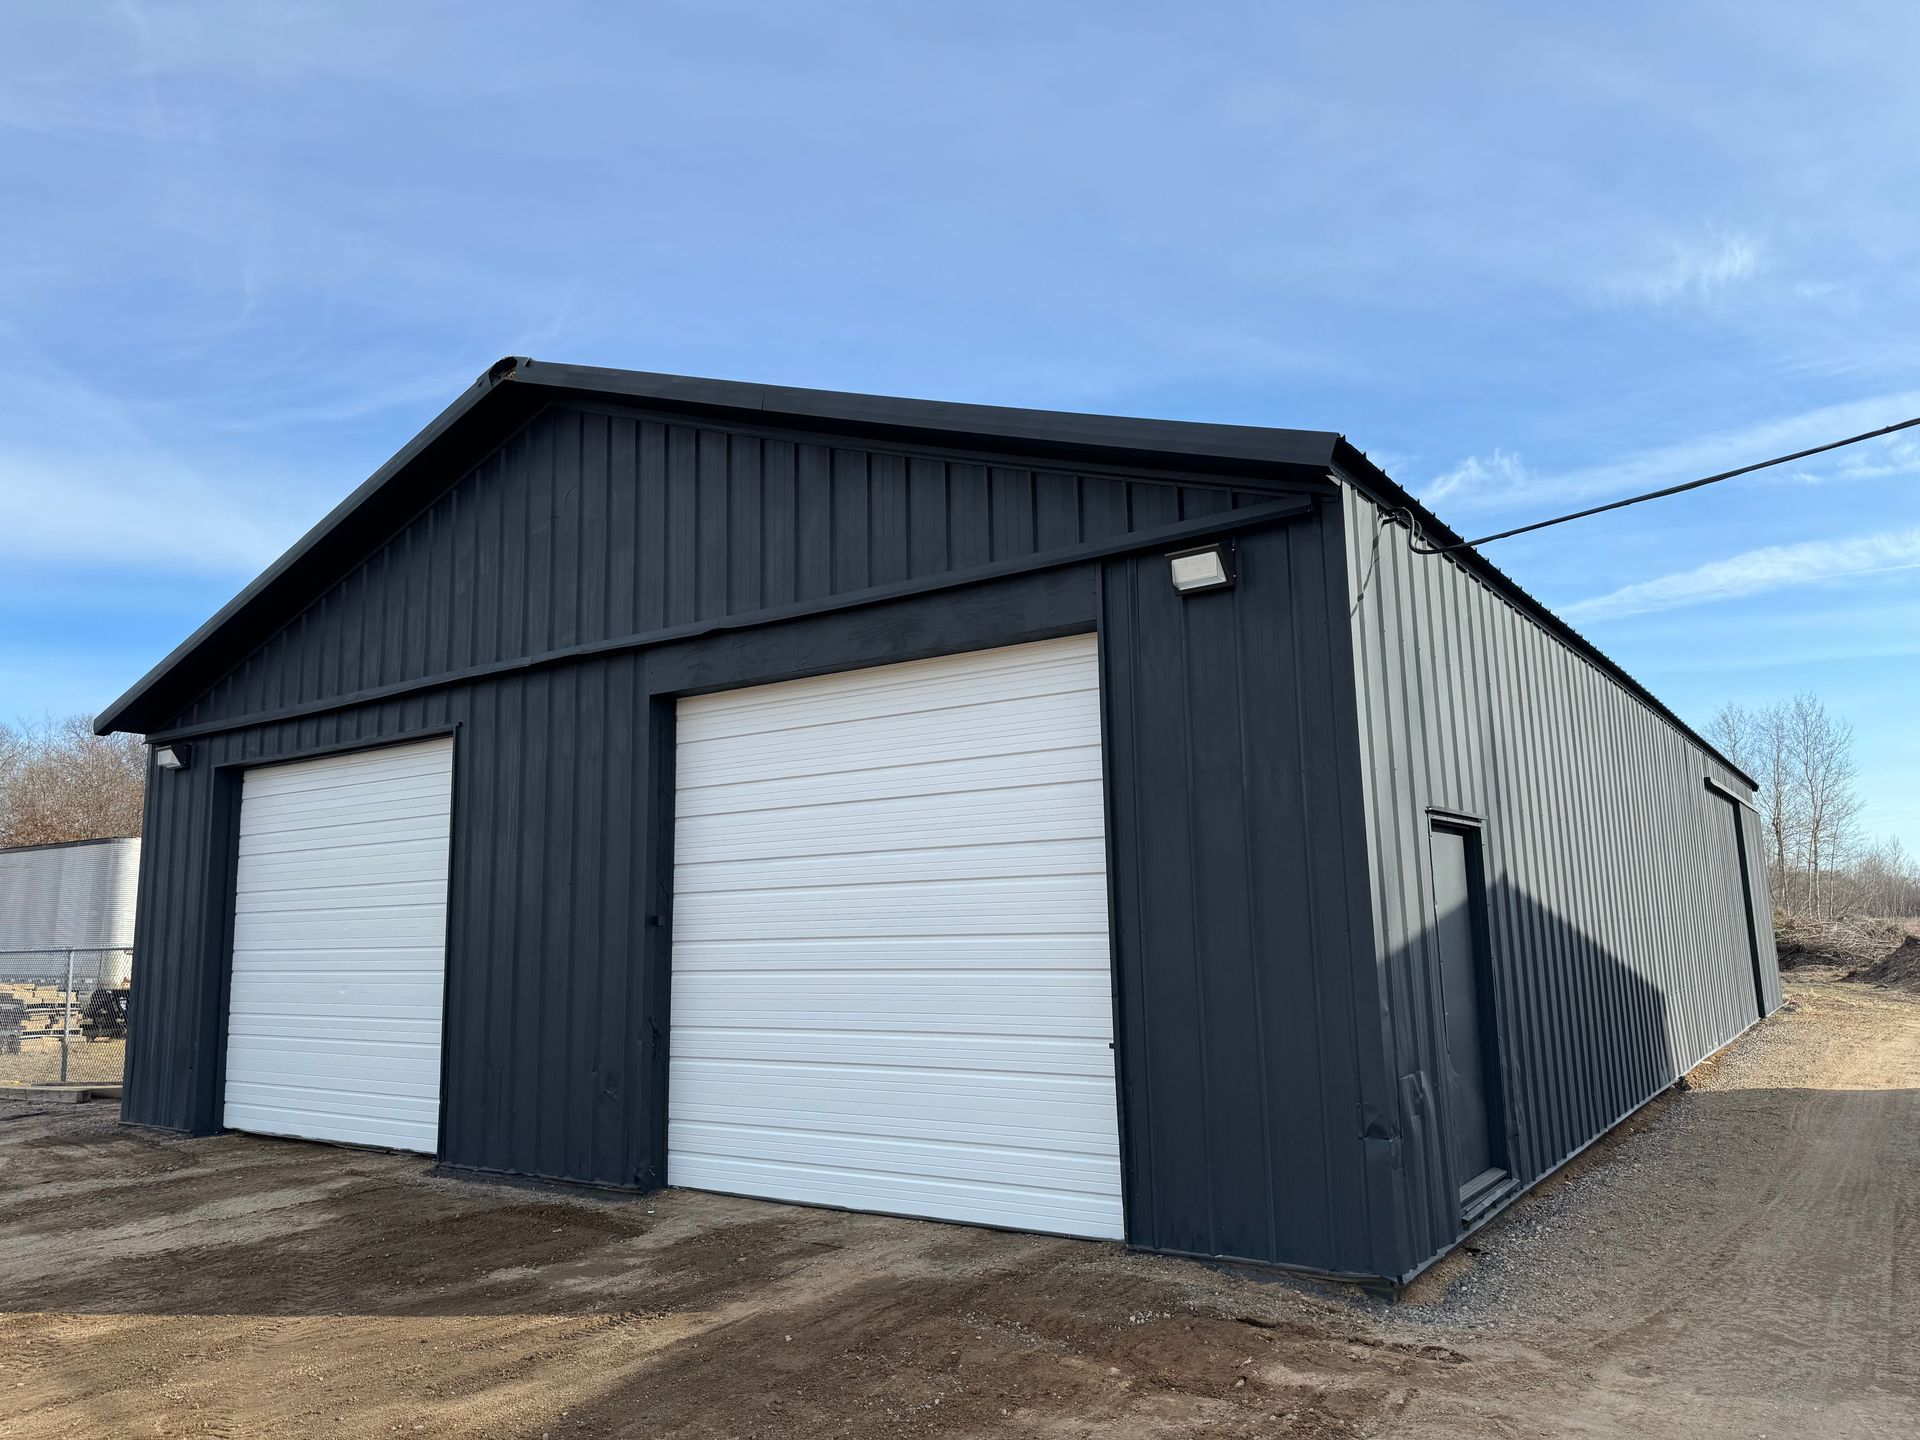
(37, 1062)
(1740, 1260)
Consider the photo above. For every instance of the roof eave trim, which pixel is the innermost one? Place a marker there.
(1240, 448)
(116, 716)
(1248, 445)
(1357, 470)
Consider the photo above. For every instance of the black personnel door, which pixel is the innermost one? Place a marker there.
(1472, 1074)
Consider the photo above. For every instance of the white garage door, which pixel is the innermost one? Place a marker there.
(339, 932)
(890, 973)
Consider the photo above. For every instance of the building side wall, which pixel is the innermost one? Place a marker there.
(1617, 928)
(1254, 1108)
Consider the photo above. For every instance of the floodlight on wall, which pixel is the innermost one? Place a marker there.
(173, 757)
(1210, 567)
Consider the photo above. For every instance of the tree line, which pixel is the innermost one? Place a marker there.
(59, 781)
(1819, 863)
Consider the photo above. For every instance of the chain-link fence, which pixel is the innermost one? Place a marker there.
(63, 1016)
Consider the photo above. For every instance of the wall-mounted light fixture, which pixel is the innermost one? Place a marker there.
(173, 757)
(1210, 567)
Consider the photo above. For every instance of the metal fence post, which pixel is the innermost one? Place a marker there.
(66, 1025)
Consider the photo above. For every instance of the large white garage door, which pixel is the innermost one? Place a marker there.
(890, 973)
(339, 932)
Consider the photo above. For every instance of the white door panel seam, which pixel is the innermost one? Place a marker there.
(891, 979)
(339, 947)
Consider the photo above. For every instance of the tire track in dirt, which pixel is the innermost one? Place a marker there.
(1731, 1263)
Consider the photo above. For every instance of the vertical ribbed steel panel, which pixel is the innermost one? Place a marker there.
(1277, 1013)
(587, 526)
(1248, 1061)
(1250, 1055)
(1618, 930)
(1252, 1066)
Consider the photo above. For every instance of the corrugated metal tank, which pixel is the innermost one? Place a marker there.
(78, 896)
(1618, 922)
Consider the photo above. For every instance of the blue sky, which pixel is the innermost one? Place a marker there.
(1527, 257)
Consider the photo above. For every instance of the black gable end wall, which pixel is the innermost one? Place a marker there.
(590, 525)
(1250, 1052)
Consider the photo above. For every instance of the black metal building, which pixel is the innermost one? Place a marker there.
(1401, 892)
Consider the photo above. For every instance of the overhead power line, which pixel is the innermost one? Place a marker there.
(1406, 517)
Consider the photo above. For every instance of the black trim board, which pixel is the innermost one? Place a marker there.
(1727, 792)
(229, 789)
(224, 851)
(344, 747)
(1223, 523)
(1124, 440)
(652, 1029)
(1112, 859)
(451, 441)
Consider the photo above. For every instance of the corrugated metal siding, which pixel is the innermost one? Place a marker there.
(1256, 1111)
(1619, 944)
(53, 897)
(588, 526)
(1254, 1072)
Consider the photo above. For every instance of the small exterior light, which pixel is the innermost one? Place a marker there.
(173, 757)
(1208, 568)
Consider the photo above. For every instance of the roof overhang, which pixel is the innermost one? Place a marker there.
(516, 388)
(1357, 470)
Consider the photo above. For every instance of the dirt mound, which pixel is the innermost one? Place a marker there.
(1898, 970)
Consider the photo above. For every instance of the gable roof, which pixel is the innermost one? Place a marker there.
(515, 388)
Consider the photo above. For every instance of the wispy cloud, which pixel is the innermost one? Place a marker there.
(86, 481)
(1499, 475)
(135, 510)
(1690, 271)
(1505, 477)
(1897, 455)
(1773, 567)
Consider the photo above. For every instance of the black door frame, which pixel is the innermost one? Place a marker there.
(1071, 608)
(1734, 806)
(1497, 1181)
(222, 896)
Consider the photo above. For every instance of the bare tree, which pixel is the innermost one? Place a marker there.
(1879, 880)
(1819, 866)
(1782, 805)
(59, 781)
(13, 746)
(1762, 742)
(1822, 758)
(1731, 730)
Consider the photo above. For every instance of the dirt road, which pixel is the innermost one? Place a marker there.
(1742, 1260)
